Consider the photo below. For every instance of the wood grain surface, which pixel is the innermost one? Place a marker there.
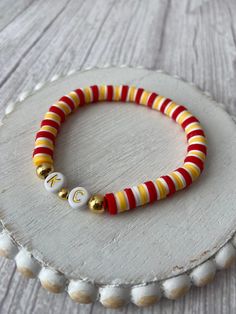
(193, 39)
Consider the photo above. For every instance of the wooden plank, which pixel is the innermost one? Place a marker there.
(11, 10)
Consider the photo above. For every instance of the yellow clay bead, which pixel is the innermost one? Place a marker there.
(43, 170)
(63, 194)
(95, 204)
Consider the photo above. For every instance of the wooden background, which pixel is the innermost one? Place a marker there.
(193, 39)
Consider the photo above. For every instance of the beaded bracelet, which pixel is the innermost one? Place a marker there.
(128, 198)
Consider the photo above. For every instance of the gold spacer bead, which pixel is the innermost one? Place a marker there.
(43, 170)
(95, 204)
(63, 194)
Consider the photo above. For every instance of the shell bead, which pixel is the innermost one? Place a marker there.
(78, 198)
(54, 182)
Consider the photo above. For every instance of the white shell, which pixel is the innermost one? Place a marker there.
(176, 287)
(52, 280)
(82, 291)
(54, 182)
(146, 295)
(226, 256)
(7, 247)
(113, 297)
(203, 274)
(26, 264)
(78, 198)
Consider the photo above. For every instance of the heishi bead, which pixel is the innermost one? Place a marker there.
(78, 198)
(54, 182)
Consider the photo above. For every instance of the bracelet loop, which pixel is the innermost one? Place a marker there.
(128, 198)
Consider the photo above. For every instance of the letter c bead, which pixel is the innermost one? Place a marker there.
(78, 198)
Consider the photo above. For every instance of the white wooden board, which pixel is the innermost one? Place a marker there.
(106, 147)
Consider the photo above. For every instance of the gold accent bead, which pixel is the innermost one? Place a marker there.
(63, 194)
(95, 204)
(43, 170)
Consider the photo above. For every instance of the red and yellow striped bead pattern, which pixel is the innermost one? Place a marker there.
(146, 192)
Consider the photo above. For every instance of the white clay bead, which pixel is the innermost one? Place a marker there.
(203, 274)
(26, 264)
(176, 287)
(146, 295)
(226, 256)
(54, 182)
(82, 291)
(51, 280)
(113, 297)
(78, 198)
(7, 248)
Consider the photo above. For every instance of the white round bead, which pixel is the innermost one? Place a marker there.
(7, 248)
(176, 287)
(233, 241)
(203, 274)
(226, 256)
(113, 297)
(78, 198)
(51, 280)
(54, 182)
(82, 292)
(146, 295)
(26, 264)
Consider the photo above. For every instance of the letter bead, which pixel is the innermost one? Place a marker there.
(54, 182)
(78, 198)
